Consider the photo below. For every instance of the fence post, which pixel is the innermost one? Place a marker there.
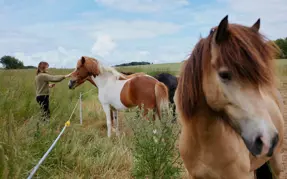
(81, 117)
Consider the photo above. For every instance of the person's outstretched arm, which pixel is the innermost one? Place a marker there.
(54, 78)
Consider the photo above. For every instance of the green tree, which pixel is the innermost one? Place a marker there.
(10, 62)
(282, 44)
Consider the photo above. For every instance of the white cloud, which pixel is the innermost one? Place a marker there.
(60, 57)
(136, 29)
(99, 39)
(103, 46)
(273, 15)
(144, 53)
(166, 34)
(143, 5)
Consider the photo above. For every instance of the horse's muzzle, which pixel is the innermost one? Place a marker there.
(256, 147)
(71, 84)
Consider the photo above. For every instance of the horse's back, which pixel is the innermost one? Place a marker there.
(139, 90)
(128, 75)
(168, 79)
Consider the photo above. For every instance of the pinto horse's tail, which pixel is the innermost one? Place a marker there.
(161, 97)
(264, 172)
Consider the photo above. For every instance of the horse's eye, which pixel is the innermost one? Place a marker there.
(225, 75)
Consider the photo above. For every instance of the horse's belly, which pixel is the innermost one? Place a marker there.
(118, 106)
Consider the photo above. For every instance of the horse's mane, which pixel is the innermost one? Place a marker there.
(117, 74)
(189, 88)
(245, 53)
(95, 67)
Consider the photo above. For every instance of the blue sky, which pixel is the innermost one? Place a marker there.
(119, 31)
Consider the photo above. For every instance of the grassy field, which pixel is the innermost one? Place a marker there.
(173, 68)
(83, 151)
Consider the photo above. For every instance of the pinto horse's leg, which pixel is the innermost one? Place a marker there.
(107, 109)
(112, 116)
(116, 119)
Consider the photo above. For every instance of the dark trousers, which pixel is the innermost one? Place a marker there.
(44, 103)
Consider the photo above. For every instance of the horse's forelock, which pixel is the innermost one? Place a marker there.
(247, 55)
(92, 66)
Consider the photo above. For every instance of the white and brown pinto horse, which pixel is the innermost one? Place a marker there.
(229, 107)
(120, 91)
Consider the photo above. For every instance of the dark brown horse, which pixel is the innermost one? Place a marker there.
(229, 106)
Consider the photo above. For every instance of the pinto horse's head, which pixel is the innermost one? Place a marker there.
(86, 69)
(230, 73)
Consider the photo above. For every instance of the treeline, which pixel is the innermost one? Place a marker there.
(10, 62)
(133, 64)
(282, 44)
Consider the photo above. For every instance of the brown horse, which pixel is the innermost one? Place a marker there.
(120, 91)
(229, 107)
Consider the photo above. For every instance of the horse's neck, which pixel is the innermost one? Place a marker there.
(105, 78)
(206, 125)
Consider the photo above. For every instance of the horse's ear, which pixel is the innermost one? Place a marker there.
(256, 25)
(222, 30)
(83, 60)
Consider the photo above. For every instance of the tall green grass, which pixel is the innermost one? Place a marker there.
(173, 68)
(83, 151)
(155, 154)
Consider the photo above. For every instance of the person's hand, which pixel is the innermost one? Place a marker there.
(69, 75)
(51, 85)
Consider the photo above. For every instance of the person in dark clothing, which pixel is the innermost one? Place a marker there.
(42, 81)
(43, 101)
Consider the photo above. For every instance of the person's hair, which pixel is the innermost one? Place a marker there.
(41, 67)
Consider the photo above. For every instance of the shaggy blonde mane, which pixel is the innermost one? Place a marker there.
(117, 74)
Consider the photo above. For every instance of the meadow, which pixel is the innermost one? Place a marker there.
(83, 151)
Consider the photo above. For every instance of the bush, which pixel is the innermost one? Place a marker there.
(154, 151)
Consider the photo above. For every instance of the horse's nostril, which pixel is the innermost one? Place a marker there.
(254, 146)
(258, 143)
